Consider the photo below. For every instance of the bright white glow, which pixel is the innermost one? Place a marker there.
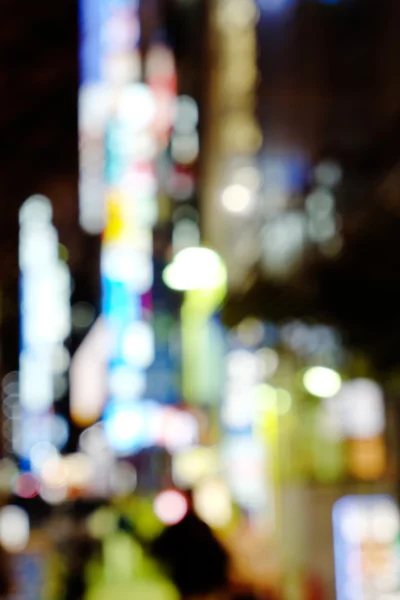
(170, 507)
(137, 107)
(36, 382)
(243, 365)
(322, 382)
(213, 503)
(38, 247)
(187, 115)
(195, 268)
(36, 210)
(14, 528)
(139, 345)
(40, 454)
(238, 199)
(385, 522)
(362, 409)
(190, 466)
(116, 264)
(125, 383)
(125, 429)
(355, 524)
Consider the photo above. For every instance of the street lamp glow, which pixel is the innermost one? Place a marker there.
(195, 269)
(322, 382)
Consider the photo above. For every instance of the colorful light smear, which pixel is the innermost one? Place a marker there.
(366, 544)
(45, 323)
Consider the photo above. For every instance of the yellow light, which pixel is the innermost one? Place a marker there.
(195, 269)
(322, 382)
(213, 503)
(190, 466)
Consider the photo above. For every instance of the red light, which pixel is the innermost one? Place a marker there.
(26, 486)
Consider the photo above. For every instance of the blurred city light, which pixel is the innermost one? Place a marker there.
(322, 382)
(213, 502)
(14, 528)
(195, 269)
(170, 507)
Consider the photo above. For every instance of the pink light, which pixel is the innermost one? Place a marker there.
(170, 507)
(26, 486)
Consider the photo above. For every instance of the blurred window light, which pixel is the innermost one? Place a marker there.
(194, 269)
(328, 173)
(213, 503)
(238, 199)
(14, 529)
(137, 107)
(186, 115)
(322, 382)
(192, 465)
(170, 507)
(185, 148)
